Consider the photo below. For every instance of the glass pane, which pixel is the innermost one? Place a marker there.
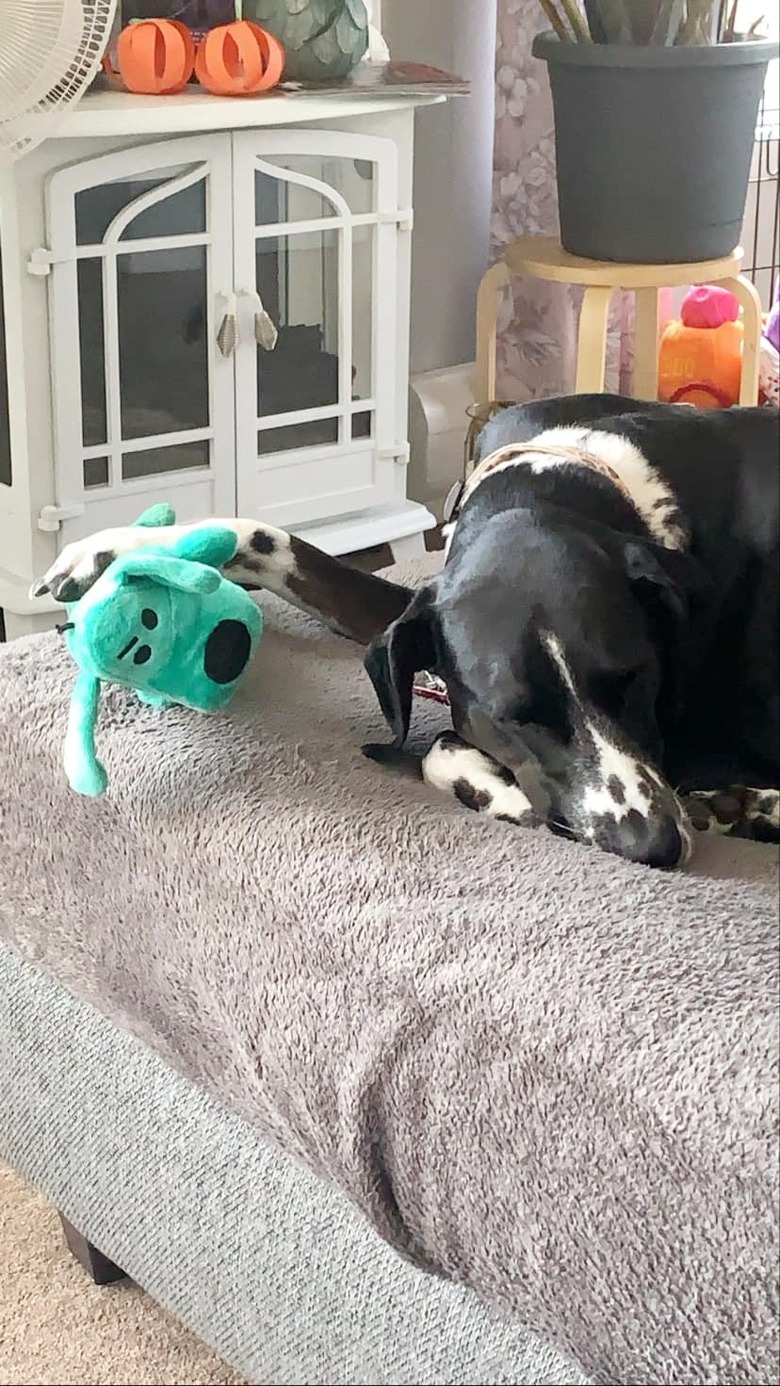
(158, 461)
(353, 179)
(297, 278)
(5, 428)
(302, 435)
(362, 310)
(181, 214)
(92, 355)
(96, 207)
(163, 352)
(95, 471)
(362, 424)
(280, 201)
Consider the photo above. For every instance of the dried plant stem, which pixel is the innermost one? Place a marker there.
(722, 15)
(661, 22)
(731, 22)
(667, 24)
(579, 27)
(698, 22)
(555, 20)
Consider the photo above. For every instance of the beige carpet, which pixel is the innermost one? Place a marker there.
(57, 1328)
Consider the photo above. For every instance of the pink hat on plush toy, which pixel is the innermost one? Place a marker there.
(708, 305)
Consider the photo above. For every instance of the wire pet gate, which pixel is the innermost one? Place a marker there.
(761, 229)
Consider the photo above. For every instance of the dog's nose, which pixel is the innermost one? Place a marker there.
(652, 842)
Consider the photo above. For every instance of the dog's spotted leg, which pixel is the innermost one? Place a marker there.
(478, 781)
(737, 811)
(356, 604)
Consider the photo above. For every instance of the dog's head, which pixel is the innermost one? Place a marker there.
(565, 645)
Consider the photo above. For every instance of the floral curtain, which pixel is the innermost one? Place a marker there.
(538, 322)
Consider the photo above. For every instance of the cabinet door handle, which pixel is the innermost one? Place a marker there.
(266, 331)
(227, 333)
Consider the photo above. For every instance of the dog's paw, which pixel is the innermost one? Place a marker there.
(477, 781)
(737, 811)
(80, 564)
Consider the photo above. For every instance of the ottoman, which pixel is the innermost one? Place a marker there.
(546, 1077)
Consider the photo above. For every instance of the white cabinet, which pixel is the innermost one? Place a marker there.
(167, 265)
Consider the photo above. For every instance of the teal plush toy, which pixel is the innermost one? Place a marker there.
(161, 620)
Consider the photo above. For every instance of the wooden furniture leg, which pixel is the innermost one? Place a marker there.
(97, 1266)
(749, 299)
(592, 343)
(490, 287)
(646, 344)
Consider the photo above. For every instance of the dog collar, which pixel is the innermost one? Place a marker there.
(526, 452)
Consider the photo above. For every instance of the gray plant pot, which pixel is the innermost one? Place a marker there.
(653, 146)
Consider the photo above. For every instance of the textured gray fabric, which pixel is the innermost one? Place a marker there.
(265, 1262)
(541, 1071)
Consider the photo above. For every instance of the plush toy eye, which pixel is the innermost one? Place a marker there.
(149, 618)
(142, 654)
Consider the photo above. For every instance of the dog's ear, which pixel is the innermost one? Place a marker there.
(393, 659)
(666, 578)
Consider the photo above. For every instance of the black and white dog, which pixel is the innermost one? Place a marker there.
(608, 607)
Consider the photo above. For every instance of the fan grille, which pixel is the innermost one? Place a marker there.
(49, 53)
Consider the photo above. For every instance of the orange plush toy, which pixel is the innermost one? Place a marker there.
(701, 355)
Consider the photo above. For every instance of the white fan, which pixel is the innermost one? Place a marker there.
(49, 52)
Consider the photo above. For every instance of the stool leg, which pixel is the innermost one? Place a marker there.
(747, 294)
(487, 318)
(592, 343)
(646, 344)
(97, 1266)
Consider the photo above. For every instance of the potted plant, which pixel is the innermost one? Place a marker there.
(655, 103)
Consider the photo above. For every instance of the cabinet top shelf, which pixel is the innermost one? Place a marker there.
(118, 113)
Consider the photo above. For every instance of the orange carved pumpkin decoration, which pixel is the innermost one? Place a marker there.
(239, 59)
(156, 57)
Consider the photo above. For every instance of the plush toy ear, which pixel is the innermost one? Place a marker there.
(168, 572)
(85, 773)
(157, 516)
(211, 544)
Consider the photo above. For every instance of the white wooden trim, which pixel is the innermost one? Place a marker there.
(132, 247)
(309, 452)
(298, 416)
(119, 113)
(111, 364)
(139, 485)
(136, 160)
(345, 311)
(14, 338)
(65, 346)
(269, 230)
(150, 441)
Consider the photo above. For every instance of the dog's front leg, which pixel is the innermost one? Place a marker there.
(356, 604)
(474, 778)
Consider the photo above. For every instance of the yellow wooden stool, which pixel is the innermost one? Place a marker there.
(543, 257)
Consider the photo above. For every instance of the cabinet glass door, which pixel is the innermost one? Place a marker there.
(141, 243)
(315, 227)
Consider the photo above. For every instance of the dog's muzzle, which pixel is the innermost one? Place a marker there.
(662, 843)
(638, 818)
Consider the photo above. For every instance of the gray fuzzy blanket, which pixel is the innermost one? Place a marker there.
(538, 1070)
